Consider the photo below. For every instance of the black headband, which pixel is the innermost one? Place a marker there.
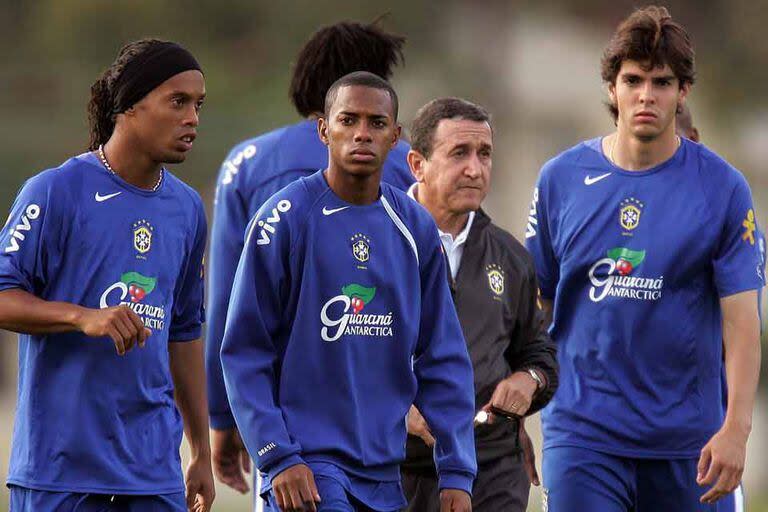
(148, 70)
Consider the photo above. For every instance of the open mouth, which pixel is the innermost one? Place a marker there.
(186, 141)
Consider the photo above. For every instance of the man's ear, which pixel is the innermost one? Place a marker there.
(398, 134)
(416, 163)
(322, 130)
(612, 94)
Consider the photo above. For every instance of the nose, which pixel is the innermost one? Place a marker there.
(646, 93)
(192, 117)
(474, 167)
(362, 133)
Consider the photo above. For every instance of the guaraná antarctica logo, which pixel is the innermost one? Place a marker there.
(612, 277)
(136, 286)
(344, 314)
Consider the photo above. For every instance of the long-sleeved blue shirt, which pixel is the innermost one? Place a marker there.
(340, 319)
(253, 171)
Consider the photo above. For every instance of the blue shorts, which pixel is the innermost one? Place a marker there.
(578, 479)
(31, 500)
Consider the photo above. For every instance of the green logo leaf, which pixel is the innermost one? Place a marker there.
(622, 253)
(361, 292)
(145, 283)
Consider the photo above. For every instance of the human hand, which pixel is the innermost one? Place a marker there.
(513, 394)
(529, 457)
(230, 459)
(295, 489)
(120, 323)
(200, 490)
(455, 500)
(722, 463)
(417, 426)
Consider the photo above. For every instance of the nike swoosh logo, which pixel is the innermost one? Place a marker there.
(326, 211)
(100, 198)
(588, 180)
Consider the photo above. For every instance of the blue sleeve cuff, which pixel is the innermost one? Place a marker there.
(189, 334)
(283, 464)
(10, 283)
(222, 421)
(457, 480)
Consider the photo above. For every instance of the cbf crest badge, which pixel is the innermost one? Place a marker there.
(495, 278)
(629, 214)
(361, 247)
(142, 236)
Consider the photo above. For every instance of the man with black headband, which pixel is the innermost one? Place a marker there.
(101, 274)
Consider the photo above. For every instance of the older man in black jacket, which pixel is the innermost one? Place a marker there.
(495, 291)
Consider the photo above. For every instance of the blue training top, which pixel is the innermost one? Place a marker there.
(253, 171)
(87, 419)
(340, 319)
(636, 262)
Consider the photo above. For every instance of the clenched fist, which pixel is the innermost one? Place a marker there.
(120, 323)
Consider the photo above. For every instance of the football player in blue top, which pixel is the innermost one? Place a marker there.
(101, 274)
(257, 168)
(341, 318)
(645, 249)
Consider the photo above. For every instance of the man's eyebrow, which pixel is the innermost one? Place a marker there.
(358, 114)
(184, 94)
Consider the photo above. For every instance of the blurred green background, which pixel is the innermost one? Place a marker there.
(534, 65)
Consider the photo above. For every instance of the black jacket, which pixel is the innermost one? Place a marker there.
(495, 293)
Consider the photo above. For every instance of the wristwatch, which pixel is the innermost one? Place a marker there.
(535, 376)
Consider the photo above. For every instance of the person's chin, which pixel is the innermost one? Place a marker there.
(363, 169)
(647, 132)
(174, 157)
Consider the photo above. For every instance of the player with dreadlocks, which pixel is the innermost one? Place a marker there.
(101, 274)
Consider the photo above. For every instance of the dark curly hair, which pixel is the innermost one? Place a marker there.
(101, 117)
(335, 51)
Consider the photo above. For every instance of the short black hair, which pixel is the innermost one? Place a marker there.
(364, 79)
(337, 50)
(429, 116)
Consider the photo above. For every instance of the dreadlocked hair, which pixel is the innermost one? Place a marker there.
(101, 117)
(337, 50)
